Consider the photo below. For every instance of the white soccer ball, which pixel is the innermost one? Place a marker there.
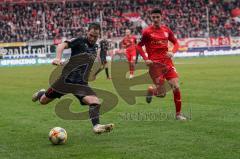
(58, 136)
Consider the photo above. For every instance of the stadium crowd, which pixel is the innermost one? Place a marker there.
(187, 18)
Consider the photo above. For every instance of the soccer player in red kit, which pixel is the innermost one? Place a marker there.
(155, 39)
(129, 43)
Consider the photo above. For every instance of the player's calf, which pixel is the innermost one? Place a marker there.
(177, 98)
(131, 69)
(37, 95)
(174, 83)
(41, 97)
(45, 100)
(150, 94)
(161, 91)
(94, 115)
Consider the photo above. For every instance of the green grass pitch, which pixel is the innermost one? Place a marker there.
(210, 93)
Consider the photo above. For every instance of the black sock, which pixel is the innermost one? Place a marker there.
(98, 71)
(94, 113)
(40, 94)
(106, 71)
(137, 58)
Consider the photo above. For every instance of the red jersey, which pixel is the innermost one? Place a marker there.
(156, 42)
(129, 42)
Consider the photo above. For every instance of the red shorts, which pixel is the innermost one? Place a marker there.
(161, 71)
(131, 54)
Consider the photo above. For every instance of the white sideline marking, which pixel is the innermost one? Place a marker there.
(189, 63)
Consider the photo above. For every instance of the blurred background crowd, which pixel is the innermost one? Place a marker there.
(22, 22)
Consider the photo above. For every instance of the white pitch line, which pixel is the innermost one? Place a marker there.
(189, 63)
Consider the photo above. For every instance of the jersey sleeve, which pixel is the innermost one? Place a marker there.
(123, 42)
(173, 39)
(73, 42)
(142, 42)
(143, 38)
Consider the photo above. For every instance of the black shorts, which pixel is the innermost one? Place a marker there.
(103, 57)
(53, 94)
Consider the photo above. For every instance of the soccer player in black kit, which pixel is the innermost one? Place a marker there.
(72, 76)
(104, 46)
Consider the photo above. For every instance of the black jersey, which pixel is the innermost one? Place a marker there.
(81, 45)
(104, 45)
(80, 63)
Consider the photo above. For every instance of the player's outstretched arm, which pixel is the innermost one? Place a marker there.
(60, 48)
(175, 43)
(142, 53)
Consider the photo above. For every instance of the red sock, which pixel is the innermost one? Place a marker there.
(177, 100)
(131, 68)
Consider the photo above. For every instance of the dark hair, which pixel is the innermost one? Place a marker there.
(94, 25)
(156, 10)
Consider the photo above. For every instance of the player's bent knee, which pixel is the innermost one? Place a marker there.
(174, 86)
(132, 63)
(91, 100)
(44, 100)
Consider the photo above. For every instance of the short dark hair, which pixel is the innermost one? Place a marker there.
(94, 25)
(156, 10)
